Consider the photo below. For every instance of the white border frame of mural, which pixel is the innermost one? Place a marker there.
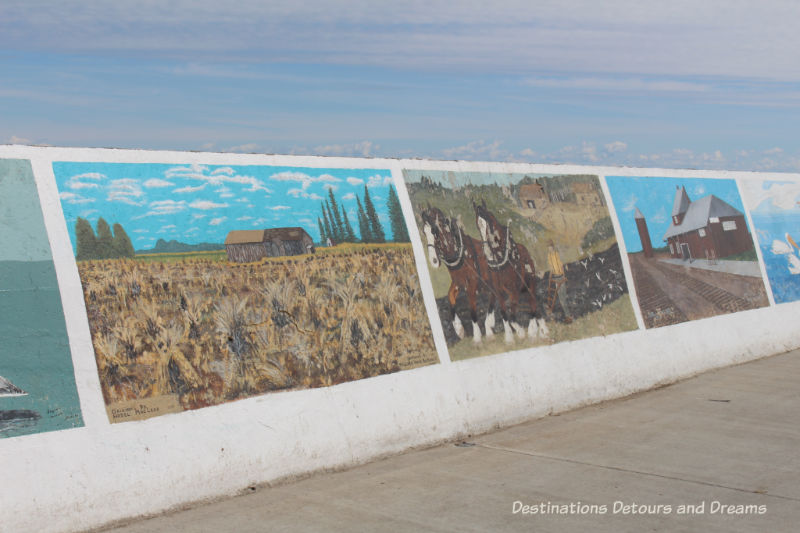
(265, 438)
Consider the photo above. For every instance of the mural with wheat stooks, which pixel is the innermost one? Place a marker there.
(179, 322)
(519, 260)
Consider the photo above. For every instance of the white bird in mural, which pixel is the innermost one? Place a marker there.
(788, 249)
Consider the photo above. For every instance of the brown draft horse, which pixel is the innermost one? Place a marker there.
(469, 270)
(511, 271)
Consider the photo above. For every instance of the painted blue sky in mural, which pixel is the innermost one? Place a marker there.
(654, 198)
(202, 203)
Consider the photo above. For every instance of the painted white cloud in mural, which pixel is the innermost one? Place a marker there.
(764, 195)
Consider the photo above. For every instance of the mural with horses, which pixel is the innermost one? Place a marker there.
(519, 260)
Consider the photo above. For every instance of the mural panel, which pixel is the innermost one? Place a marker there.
(206, 284)
(37, 380)
(689, 247)
(519, 260)
(775, 211)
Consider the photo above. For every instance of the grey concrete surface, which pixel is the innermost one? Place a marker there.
(729, 437)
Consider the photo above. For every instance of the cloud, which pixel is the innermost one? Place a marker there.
(190, 189)
(168, 228)
(18, 140)
(163, 207)
(300, 193)
(154, 183)
(125, 190)
(217, 221)
(355, 181)
(84, 181)
(73, 198)
(247, 148)
(349, 196)
(476, 150)
(378, 181)
(615, 147)
(616, 84)
(89, 176)
(630, 204)
(197, 216)
(217, 177)
(141, 230)
(206, 205)
(359, 149)
(228, 171)
(224, 192)
(661, 216)
(780, 195)
(279, 207)
(304, 179)
(244, 218)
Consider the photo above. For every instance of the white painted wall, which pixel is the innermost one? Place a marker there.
(82, 478)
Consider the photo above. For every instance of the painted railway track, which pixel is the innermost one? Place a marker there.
(657, 307)
(722, 299)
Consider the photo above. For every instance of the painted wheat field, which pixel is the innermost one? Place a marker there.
(183, 334)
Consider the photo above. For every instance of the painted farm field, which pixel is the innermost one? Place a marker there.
(518, 261)
(212, 331)
(241, 300)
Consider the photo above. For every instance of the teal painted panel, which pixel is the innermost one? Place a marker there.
(37, 379)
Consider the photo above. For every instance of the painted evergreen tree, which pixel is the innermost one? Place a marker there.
(363, 223)
(398, 223)
(341, 232)
(105, 240)
(335, 232)
(85, 240)
(349, 236)
(372, 217)
(328, 230)
(323, 237)
(122, 245)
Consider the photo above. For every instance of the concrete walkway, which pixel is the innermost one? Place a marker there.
(726, 438)
(740, 268)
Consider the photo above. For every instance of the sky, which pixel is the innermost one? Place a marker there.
(202, 203)
(681, 84)
(654, 197)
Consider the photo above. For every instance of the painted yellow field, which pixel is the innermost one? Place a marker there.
(209, 331)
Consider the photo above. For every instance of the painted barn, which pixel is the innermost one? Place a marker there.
(244, 246)
(587, 194)
(533, 196)
(708, 228)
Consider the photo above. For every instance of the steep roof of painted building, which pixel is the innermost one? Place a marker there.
(699, 212)
(681, 203)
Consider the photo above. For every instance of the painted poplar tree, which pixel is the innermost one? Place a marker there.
(121, 244)
(348, 229)
(86, 241)
(105, 240)
(328, 230)
(398, 223)
(372, 217)
(363, 224)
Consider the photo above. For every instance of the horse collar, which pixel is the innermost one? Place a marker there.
(501, 264)
(459, 256)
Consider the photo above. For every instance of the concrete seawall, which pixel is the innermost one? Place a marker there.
(184, 375)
